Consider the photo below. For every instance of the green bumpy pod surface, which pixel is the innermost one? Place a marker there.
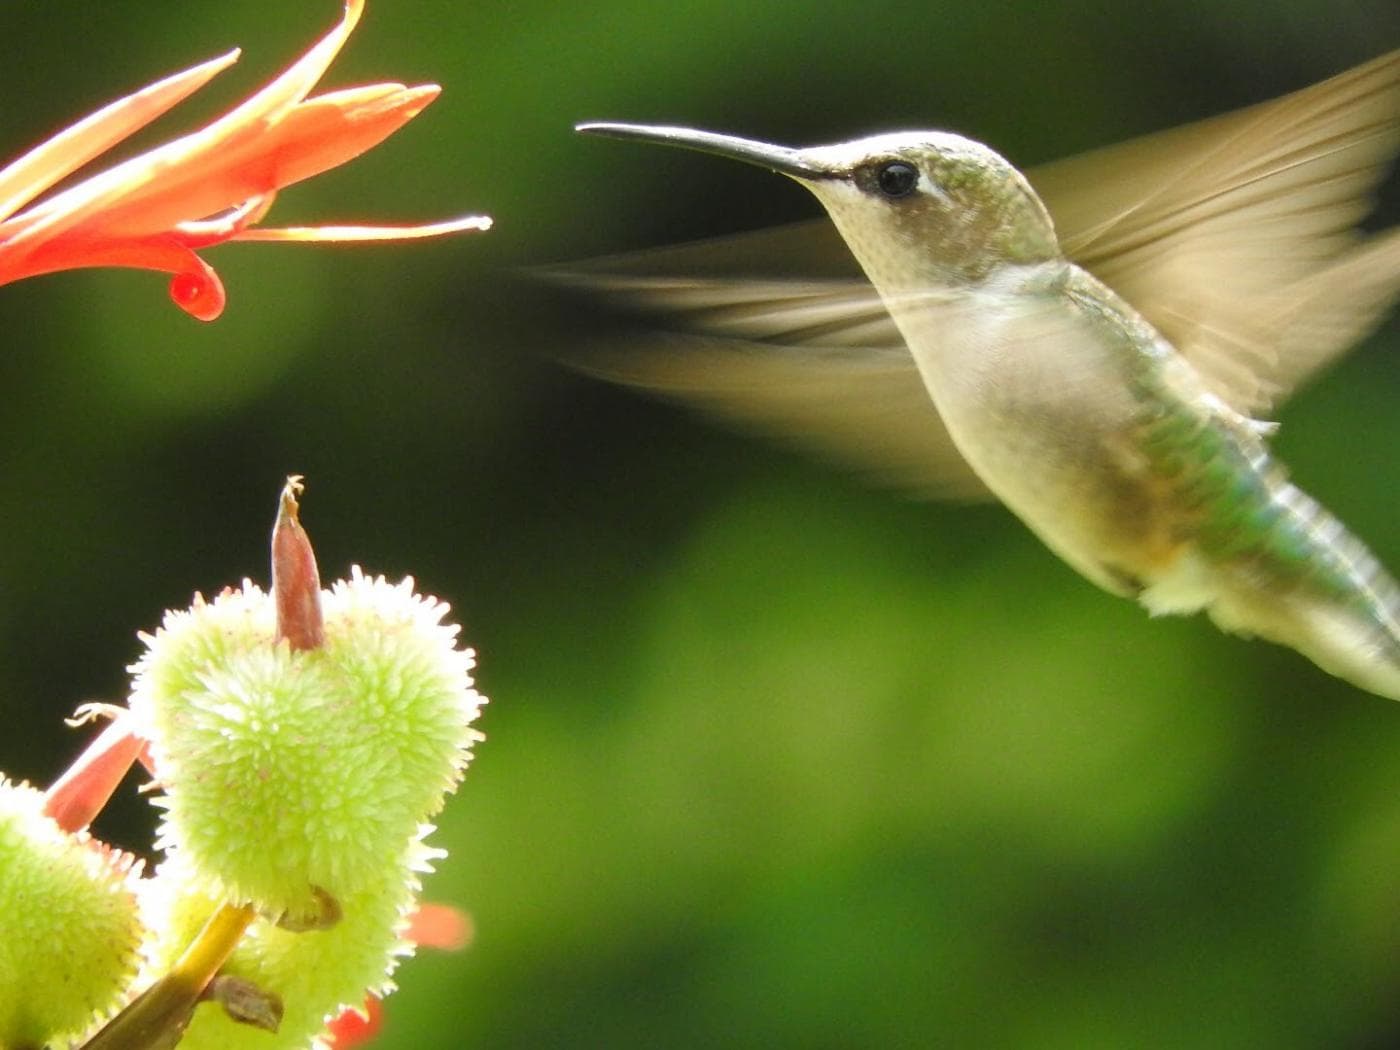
(69, 927)
(290, 772)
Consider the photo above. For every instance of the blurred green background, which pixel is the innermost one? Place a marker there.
(773, 759)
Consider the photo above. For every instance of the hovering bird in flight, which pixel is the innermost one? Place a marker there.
(1090, 342)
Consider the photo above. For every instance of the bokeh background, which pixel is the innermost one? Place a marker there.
(774, 759)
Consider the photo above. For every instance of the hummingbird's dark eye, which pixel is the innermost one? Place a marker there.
(897, 179)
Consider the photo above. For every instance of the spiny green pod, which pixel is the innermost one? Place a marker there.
(69, 926)
(313, 974)
(302, 739)
(287, 772)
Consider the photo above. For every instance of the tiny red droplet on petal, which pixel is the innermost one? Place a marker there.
(200, 295)
(185, 288)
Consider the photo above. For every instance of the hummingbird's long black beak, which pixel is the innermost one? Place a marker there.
(775, 158)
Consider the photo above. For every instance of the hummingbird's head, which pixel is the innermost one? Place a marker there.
(916, 208)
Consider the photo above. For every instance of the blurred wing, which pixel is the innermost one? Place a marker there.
(1219, 230)
(864, 408)
(814, 360)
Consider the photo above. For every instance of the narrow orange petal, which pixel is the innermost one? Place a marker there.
(349, 234)
(297, 80)
(71, 148)
(317, 135)
(80, 793)
(331, 129)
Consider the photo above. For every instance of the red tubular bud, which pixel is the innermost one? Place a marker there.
(296, 585)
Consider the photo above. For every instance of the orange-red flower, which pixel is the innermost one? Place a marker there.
(213, 185)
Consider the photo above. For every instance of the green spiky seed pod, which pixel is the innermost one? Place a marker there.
(298, 772)
(314, 973)
(286, 771)
(69, 928)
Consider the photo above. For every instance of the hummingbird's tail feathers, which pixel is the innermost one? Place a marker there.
(1208, 229)
(1331, 637)
(1317, 588)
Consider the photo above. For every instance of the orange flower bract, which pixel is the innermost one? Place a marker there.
(213, 185)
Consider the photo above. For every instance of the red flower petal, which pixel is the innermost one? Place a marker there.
(79, 794)
(350, 1028)
(440, 926)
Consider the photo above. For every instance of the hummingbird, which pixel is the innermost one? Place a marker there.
(1093, 342)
